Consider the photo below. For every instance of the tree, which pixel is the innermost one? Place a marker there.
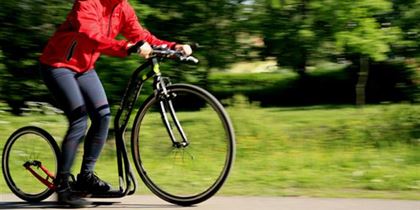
(207, 23)
(25, 27)
(360, 32)
(210, 23)
(287, 30)
(406, 15)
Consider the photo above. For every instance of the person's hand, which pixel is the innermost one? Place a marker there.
(184, 48)
(145, 50)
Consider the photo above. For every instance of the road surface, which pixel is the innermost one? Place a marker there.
(226, 203)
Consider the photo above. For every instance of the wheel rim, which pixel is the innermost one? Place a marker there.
(195, 171)
(29, 146)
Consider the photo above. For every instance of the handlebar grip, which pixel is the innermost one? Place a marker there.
(192, 59)
(135, 48)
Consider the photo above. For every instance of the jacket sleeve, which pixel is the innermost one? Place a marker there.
(88, 24)
(134, 32)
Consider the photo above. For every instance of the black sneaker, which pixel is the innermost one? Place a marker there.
(67, 197)
(90, 183)
(65, 194)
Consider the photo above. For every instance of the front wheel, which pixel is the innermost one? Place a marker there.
(183, 173)
(30, 161)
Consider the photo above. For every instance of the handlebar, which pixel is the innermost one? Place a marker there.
(164, 52)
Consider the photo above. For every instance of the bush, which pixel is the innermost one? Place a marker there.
(387, 82)
(398, 125)
(391, 82)
(389, 126)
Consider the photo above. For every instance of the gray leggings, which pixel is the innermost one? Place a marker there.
(80, 95)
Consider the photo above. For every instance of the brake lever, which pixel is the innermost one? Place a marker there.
(175, 54)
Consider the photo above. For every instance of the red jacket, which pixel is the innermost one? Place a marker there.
(90, 29)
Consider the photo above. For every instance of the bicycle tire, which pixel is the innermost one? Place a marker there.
(147, 170)
(33, 141)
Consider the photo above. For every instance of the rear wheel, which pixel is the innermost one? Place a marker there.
(189, 174)
(30, 148)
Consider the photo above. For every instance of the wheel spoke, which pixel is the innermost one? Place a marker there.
(27, 145)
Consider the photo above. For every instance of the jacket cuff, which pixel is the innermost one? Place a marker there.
(172, 45)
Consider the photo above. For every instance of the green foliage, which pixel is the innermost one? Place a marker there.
(300, 32)
(392, 81)
(323, 151)
(368, 39)
(407, 17)
(388, 82)
(297, 33)
(340, 149)
(287, 30)
(357, 28)
(25, 27)
(205, 22)
(403, 119)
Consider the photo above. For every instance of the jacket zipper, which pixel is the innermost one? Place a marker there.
(71, 50)
(110, 20)
(109, 32)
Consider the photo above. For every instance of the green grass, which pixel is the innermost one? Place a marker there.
(371, 152)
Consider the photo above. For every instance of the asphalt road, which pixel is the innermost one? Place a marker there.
(227, 203)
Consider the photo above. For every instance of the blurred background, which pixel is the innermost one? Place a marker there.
(323, 94)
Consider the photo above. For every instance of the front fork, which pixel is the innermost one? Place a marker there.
(165, 102)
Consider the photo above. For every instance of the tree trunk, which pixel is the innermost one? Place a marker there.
(362, 81)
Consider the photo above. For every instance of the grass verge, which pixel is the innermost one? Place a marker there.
(370, 152)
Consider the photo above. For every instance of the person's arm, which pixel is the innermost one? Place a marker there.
(134, 32)
(87, 23)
